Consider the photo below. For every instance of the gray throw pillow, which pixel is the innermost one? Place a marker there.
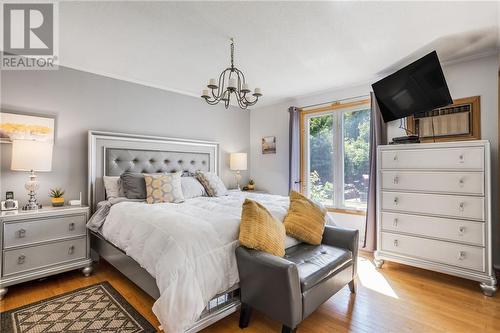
(133, 184)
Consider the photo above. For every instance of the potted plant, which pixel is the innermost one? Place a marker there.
(57, 197)
(251, 185)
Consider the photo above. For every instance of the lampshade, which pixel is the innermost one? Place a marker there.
(238, 161)
(30, 155)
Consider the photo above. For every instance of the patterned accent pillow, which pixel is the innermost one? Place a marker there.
(305, 220)
(163, 188)
(259, 230)
(212, 183)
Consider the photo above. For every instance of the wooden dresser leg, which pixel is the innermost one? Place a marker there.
(87, 270)
(352, 286)
(286, 329)
(3, 291)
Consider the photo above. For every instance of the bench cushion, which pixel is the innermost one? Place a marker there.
(317, 262)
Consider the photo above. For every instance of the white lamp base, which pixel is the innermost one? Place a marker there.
(238, 179)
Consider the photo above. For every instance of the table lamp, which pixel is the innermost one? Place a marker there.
(30, 155)
(238, 162)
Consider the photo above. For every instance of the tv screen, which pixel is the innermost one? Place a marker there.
(418, 87)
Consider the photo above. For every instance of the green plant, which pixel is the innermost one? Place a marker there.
(56, 193)
(251, 182)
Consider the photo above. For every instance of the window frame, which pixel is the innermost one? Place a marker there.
(337, 110)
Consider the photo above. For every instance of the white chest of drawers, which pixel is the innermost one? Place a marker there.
(434, 208)
(40, 243)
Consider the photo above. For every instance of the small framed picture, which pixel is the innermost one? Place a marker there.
(269, 145)
(26, 127)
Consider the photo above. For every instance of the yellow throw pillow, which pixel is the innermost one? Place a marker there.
(259, 230)
(305, 220)
(163, 188)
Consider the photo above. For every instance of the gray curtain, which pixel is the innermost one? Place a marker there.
(378, 136)
(294, 148)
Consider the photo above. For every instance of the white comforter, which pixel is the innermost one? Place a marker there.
(188, 248)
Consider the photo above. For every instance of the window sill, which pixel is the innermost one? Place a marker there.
(346, 211)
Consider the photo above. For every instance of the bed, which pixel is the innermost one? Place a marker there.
(192, 275)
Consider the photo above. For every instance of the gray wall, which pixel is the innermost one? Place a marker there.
(81, 101)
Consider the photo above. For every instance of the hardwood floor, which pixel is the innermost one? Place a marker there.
(396, 298)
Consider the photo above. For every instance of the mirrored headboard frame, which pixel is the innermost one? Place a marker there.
(100, 142)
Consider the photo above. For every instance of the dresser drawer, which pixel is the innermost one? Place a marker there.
(434, 204)
(436, 227)
(434, 158)
(446, 182)
(30, 231)
(35, 257)
(465, 256)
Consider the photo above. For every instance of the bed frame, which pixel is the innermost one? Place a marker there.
(111, 154)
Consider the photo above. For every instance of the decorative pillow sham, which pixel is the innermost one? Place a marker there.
(163, 188)
(259, 230)
(112, 186)
(192, 188)
(133, 185)
(305, 219)
(212, 183)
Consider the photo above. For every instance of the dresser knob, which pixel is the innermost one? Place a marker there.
(21, 233)
(396, 180)
(396, 201)
(395, 157)
(461, 255)
(461, 158)
(21, 259)
(71, 249)
(461, 206)
(461, 230)
(71, 226)
(461, 182)
(395, 223)
(396, 242)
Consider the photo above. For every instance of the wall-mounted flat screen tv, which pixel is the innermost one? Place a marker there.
(418, 87)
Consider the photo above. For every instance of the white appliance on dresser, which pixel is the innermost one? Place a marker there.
(434, 208)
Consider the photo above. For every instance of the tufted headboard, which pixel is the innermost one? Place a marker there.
(111, 154)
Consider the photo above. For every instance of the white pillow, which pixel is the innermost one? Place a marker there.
(212, 183)
(113, 187)
(192, 188)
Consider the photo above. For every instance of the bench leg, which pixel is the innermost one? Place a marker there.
(286, 329)
(352, 286)
(245, 314)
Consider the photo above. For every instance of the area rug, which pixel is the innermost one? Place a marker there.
(97, 308)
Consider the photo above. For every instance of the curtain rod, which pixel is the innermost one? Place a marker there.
(335, 101)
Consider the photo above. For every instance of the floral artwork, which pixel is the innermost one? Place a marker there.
(25, 127)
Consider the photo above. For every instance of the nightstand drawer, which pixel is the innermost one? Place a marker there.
(36, 257)
(30, 231)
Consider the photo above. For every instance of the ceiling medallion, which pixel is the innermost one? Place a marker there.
(231, 81)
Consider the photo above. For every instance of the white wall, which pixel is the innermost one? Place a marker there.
(81, 101)
(469, 78)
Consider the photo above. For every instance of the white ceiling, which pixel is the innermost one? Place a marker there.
(288, 49)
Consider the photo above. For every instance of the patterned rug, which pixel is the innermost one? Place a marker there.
(97, 308)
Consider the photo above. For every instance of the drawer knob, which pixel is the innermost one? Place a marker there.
(71, 249)
(396, 201)
(395, 157)
(21, 233)
(461, 230)
(461, 158)
(461, 182)
(461, 255)
(396, 180)
(461, 206)
(395, 223)
(71, 226)
(21, 259)
(396, 242)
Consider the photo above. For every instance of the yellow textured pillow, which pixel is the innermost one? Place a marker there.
(259, 230)
(305, 220)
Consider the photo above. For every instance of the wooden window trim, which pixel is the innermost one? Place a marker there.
(304, 112)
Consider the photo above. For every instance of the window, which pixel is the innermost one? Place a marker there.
(335, 154)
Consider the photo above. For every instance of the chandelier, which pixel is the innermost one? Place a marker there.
(231, 81)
